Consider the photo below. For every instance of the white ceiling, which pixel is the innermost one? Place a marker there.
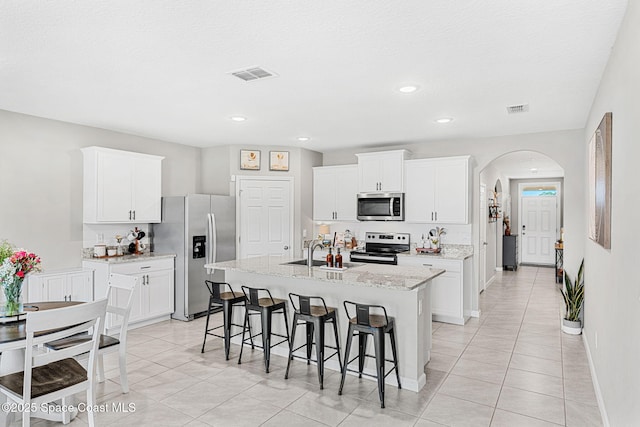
(159, 68)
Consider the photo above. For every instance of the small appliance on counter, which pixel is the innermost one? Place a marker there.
(381, 248)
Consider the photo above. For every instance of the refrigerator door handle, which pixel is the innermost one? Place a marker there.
(211, 231)
(214, 239)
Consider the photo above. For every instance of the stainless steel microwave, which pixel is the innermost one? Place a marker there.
(381, 207)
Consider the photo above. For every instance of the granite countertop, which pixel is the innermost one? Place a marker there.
(360, 274)
(459, 252)
(88, 256)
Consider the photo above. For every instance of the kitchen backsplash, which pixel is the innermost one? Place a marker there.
(90, 233)
(455, 234)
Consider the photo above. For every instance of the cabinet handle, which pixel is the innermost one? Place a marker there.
(129, 215)
(436, 216)
(428, 265)
(431, 216)
(145, 267)
(134, 215)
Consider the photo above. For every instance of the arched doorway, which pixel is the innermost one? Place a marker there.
(504, 180)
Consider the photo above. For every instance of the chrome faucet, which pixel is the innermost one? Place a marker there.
(312, 245)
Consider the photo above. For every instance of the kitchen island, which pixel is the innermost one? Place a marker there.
(404, 291)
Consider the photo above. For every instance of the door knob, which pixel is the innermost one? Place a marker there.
(286, 248)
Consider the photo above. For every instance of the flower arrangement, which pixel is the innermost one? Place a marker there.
(14, 266)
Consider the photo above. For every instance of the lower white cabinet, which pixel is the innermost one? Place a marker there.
(61, 285)
(153, 298)
(451, 291)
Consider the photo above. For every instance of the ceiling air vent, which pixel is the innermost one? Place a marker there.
(520, 108)
(252, 74)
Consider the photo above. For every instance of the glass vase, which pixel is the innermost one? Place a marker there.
(13, 297)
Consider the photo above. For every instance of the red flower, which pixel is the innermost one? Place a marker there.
(20, 274)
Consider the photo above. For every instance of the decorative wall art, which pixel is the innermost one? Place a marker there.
(279, 161)
(250, 160)
(600, 183)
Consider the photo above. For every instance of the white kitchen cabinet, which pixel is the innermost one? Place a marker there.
(121, 186)
(62, 285)
(334, 193)
(381, 172)
(451, 291)
(437, 190)
(153, 298)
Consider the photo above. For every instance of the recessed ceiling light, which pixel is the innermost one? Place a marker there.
(534, 170)
(303, 138)
(408, 89)
(238, 118)
(444, 120)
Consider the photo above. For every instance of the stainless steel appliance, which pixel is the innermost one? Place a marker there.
(381, 248)
(200, 229)
(380, 207)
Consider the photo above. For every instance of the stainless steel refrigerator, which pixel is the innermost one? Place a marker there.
(199, 229)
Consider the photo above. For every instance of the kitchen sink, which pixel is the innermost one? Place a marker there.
(314, 263)
(320, 263)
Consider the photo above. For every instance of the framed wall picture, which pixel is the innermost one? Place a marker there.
(279, 161)
(250, 160)
(600, 183)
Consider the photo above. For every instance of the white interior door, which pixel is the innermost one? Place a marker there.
(265, 217)
(538, 229)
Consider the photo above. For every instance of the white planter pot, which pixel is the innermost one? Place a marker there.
(571, 328)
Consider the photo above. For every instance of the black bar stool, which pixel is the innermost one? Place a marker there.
(264, 307)
(366, 323)
(314, 317)
(219, 298)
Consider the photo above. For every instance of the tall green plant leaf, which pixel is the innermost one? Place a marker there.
(573, 294)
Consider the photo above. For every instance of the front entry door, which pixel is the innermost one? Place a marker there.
(538, 229)
(265, 217)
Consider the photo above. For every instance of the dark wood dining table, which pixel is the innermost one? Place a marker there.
(13, 334)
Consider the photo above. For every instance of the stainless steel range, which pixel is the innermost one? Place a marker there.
(381, 248)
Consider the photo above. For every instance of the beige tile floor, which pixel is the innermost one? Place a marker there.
(510, 367)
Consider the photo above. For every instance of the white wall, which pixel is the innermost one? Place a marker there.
(565, 147)
(41, 185)
(220, 163)
(612, 287)
(490, 176)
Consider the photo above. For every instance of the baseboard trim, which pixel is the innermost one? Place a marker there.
(498, 268)
(475, 313)
(596, 384)
(489, 282)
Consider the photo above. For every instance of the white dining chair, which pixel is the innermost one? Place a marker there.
(120, 292)
(50, 376)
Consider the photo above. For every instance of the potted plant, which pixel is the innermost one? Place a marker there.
(573, 294)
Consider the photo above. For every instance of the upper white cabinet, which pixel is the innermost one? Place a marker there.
(121, 186)
(381, 172)
(437, 190)
(334, 193)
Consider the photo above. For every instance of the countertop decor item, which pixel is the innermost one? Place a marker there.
(573, 294)
(14, 266)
